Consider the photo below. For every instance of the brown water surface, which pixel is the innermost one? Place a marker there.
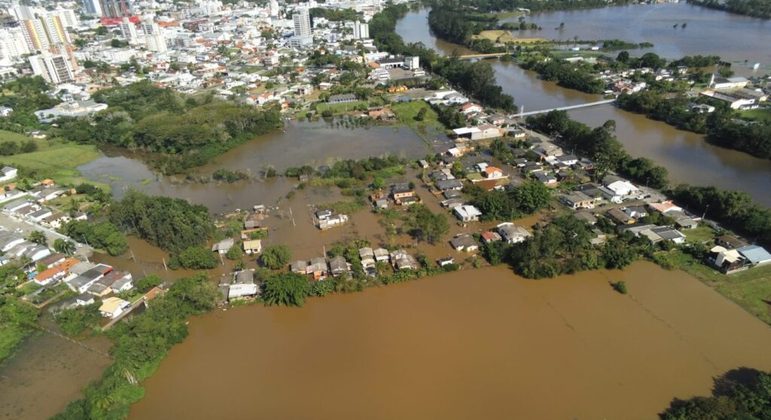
(46, 373)
(471, 344)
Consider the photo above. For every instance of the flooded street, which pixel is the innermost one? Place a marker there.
(687, 157)
(471, 344)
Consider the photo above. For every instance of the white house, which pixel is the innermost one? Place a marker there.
(622, 190)
(113, 307)
(467, 213)
(512, 233)
(8, 173)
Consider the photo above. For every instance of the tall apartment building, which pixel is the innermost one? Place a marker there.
(302, 23)
(92, 8)
(116, 8)
(13, 44)
(44, 29)
(54, 68)
(129, 30)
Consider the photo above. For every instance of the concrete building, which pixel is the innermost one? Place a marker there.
(302, 23)
(360, 30)
(54, 68)
(92, 8)
(115, 8)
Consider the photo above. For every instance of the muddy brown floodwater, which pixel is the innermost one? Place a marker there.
(471, 344)
(46, 373)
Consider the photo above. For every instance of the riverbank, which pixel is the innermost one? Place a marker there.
(429, 349)
(687, 157)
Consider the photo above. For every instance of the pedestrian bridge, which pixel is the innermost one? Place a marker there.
(567, 108)
(490, 55)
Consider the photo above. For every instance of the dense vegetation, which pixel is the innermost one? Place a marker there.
(187, 131)
(16, 318)
(753, 137)
(756, 8)
(334, 15)
(140, 344)
(739, 394)
(577, 76)
(9, 148)
(655, 105)
(513, 203)
(476, 79)
(458, 26)
(25, 95)
(731, 208)
(564, 247)
(276, 257)
(101, 235)
(534, 5)
(76, 320)
(289, 289)
(195, 258)
(424, 225)
(601, 145)
(169, 223)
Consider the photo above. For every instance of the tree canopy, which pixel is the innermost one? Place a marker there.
(169, 223)
(289, 289)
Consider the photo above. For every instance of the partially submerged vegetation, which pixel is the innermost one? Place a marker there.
(185, 131)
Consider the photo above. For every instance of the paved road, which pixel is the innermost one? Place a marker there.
(24, 227)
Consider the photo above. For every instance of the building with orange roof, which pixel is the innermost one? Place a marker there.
(55, 273)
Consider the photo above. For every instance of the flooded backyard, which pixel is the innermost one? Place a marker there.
(471, 344)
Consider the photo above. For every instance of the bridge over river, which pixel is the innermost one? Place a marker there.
(567, 108)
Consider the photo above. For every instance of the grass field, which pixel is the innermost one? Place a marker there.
(700, 234)
(340, 108)
(498, 35)
(760, 114)
(54, 159)
(407, 111)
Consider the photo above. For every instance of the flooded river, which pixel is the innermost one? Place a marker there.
(741, 40)
(686, 155)
(472, 344)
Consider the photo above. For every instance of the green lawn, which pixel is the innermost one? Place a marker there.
(407, 111)
(10, 135)
(760, 114)
(54, 159)
(700, 234)
(340, 108)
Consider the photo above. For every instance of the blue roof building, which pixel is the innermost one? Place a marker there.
(755, 255)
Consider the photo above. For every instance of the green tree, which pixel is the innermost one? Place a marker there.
(288, 289)
(276, 257)
(196, 257)
(74, 321)
(146, 283)
(64, 246)
(427, 226)
(234, 253)
(37, 236)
